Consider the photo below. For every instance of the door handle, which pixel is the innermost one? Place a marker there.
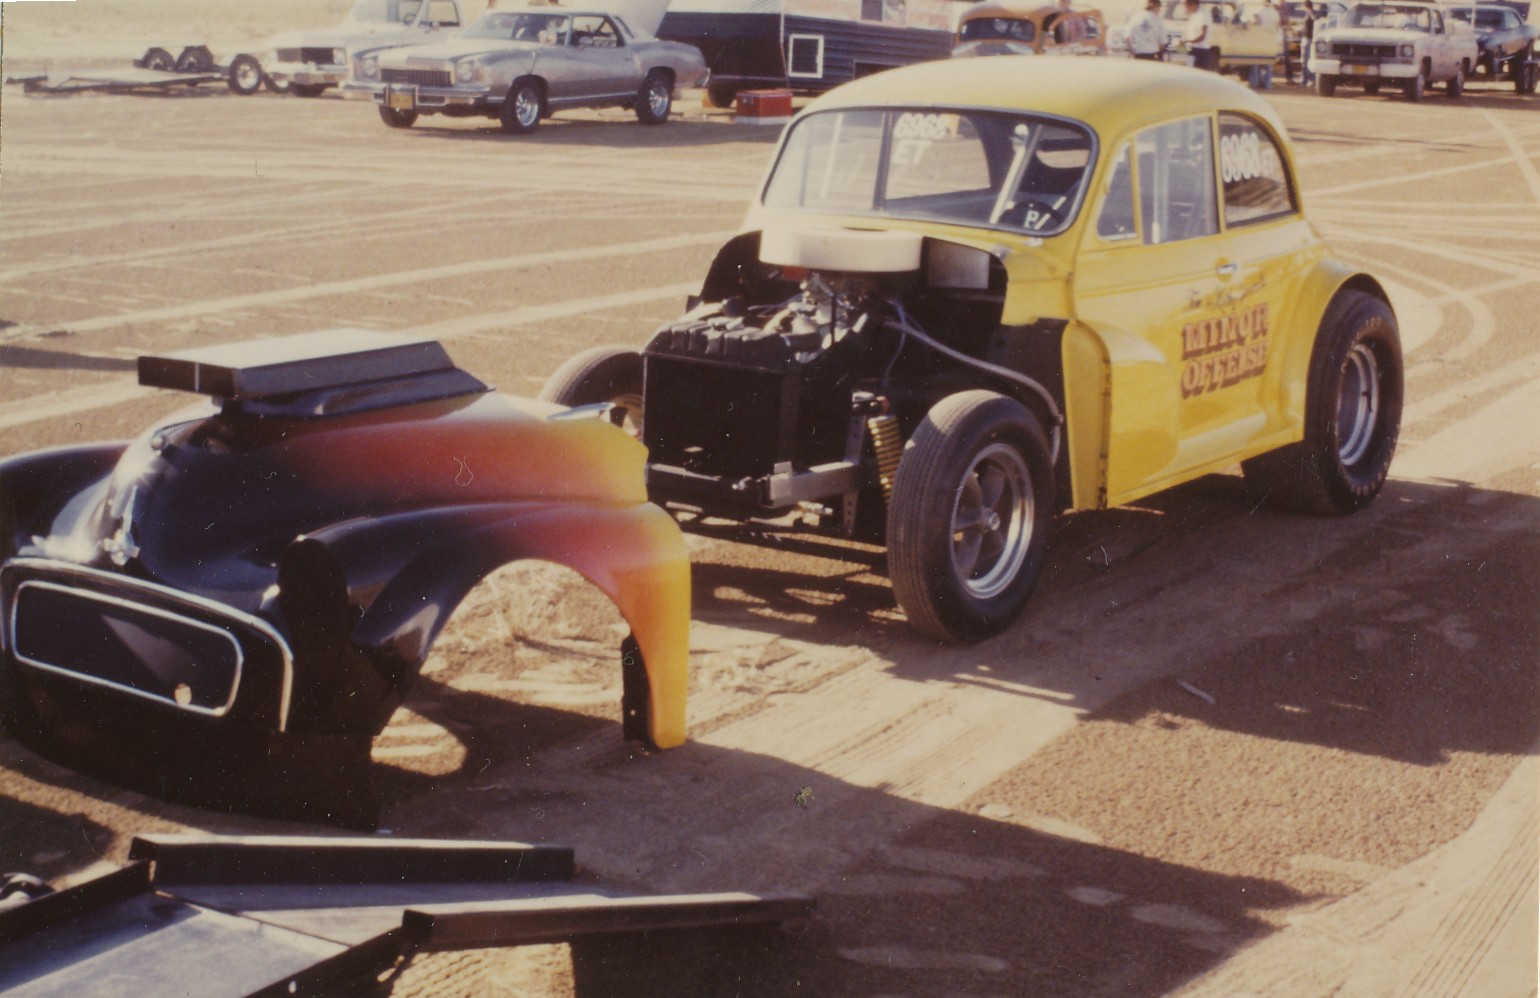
(1227, 269)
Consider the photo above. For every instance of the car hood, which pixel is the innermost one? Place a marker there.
(211, 499)
(449, 49)
(1382, 35)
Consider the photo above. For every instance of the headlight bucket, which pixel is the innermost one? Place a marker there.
(369, 67)
(467, 71)
(1320, 48)
(339, 57)
(1406, 51)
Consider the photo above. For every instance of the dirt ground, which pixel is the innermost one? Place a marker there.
(1214, 727)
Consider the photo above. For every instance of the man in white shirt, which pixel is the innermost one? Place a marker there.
(1196, 36)
(1268, 23)
(1146, 34)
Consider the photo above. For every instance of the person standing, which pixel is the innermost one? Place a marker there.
(1268, 23)
(1146, 34)
(1306, 44)
(1196, 36)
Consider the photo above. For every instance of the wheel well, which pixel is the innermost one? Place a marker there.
(664, 71)
(1366, 284)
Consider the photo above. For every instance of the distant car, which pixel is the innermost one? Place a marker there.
(1402, 43)
(520, 66)
(975, 293)
(1506, 41)
(306, 63)
(999, 27)
(230, 606)
(1238, 43)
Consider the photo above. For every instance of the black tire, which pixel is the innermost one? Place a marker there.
(969, 521)
(1372, 87)
(397, 119)
(195, 59)
(245, 75)
(603, 374)
(1326, 86)
(1352, 415)
(1456, 85)
(655, 98)
(158, 59)
(522, 108)
(1416, 86)
(307, 89)
(1524, 78)
(721, 95)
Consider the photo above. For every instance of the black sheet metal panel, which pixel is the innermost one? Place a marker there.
(286, 365)
(554, 919)
(208, 859)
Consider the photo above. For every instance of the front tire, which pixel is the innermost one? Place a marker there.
(244, 76)
(1326, 86)
(1416, 86)
(522, 108)
(1352, 415)
(307, 89)
(603, 374)
(1456, 85)
(1371, 87)
(397, 119)
(159, 60)
(721, 95)
(969, 521)
(655, 99)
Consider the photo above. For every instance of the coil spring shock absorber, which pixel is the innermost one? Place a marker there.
(889, 447)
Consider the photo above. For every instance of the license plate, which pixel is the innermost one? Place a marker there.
(1362, 70)
(401, 100)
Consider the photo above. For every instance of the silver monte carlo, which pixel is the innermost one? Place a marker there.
(523, 65)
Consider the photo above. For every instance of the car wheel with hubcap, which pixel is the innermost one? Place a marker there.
(655, 98)
(969, 520)
(1416, 86)
(244, 76)
(602, 375)
(522, 108)
(1352, 415)
(397, 119)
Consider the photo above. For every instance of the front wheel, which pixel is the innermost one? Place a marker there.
(1416, 86)
(610, 375)
(655, 99)
(721, 95)
(1352, 415)
(307, 89)
(244, 76)
(1371, 87)
(397, 119)
(1524, 75)
(521, 108)
(1326, 86)
(1456, 85)
(969, 520)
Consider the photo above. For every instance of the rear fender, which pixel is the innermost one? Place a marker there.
(1326, 280)
(387, 587)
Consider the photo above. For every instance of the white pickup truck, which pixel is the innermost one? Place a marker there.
(1405, 44)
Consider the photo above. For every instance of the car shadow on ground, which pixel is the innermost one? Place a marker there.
(12, 355)
(619, 130)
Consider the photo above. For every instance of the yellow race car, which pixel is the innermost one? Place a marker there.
(973, 294)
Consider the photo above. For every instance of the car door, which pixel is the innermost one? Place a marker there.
(1188, 269)
(604, 66)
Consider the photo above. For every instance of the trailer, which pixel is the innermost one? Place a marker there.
(808, 46)
(281, 916)
(156, 70)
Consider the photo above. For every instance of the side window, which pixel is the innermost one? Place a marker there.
(594, 32)
(1251, 168)
(443, 13)
(1175, 163)
(1116, 219)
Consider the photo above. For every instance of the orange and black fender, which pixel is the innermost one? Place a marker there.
(242, 595)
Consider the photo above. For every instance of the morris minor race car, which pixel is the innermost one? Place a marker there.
(973, 294)
(520, 66)
(229, 607)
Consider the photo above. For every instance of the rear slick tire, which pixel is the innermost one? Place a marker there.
(1353, 400)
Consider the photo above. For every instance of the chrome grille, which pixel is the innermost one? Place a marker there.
(314, 56)
(416, 77)
(1350, 51)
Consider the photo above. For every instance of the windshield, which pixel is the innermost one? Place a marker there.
(977, 168)
(1401, 18)
(506, 25)
(384, 11)
(988, 29)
